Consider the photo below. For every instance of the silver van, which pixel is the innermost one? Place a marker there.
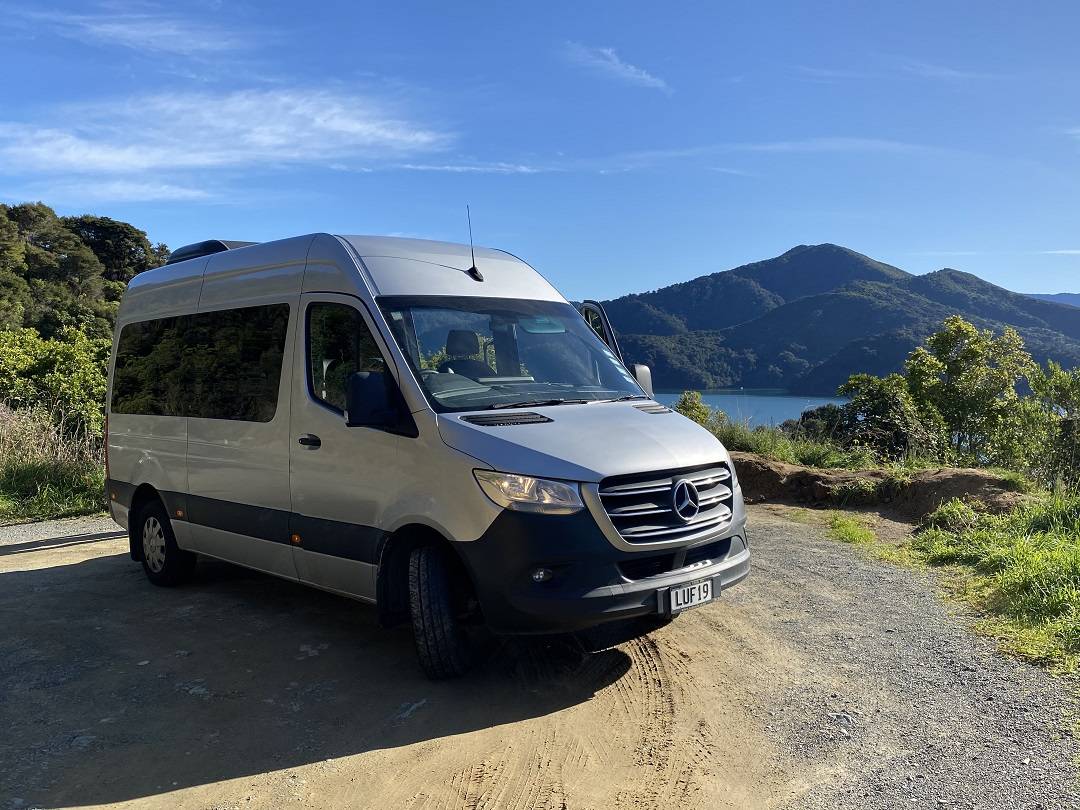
(408, 423)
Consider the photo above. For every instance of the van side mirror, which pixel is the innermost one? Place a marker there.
(370, 400)
(643, 375)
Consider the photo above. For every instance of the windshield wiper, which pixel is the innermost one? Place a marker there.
(537, 403)
(624, 398)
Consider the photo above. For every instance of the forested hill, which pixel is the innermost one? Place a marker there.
(811, 317)
(57, 272)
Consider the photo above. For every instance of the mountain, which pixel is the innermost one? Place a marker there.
(811, 317)
(1072, 299)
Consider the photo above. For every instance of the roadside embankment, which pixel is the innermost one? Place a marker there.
(910, 494)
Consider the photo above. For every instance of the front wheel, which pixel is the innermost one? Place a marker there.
(442, 643)
(164, 562)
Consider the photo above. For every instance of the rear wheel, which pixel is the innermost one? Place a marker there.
(164, 562)
(437, 608)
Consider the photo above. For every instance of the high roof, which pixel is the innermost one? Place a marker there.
(451, 254)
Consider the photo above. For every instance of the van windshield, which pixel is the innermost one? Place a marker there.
(476, 353)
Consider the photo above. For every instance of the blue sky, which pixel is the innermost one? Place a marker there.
(619, 147)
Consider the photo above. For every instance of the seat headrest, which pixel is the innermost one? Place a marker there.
(462, 342)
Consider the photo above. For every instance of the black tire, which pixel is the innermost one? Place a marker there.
(442, 644)
(164, 562)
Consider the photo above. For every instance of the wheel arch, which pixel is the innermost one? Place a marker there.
(143, 494)
(392, 576)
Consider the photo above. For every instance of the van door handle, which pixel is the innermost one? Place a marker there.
(310, 440)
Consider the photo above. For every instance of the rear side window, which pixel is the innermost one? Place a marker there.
(339, 344)
(213, 365)
(146, 377)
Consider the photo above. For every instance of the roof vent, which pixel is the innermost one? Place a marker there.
(653, 407)
(206, 248)
(504, 419)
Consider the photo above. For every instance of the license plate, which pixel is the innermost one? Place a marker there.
(692, 595)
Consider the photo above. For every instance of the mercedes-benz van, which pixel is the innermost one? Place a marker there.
(415, 425)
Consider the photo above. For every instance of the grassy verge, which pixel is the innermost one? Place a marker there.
(45, 472)
(1021, 570)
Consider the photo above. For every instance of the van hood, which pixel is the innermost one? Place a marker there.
(584, 442)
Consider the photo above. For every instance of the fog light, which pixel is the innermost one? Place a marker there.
(541, 575)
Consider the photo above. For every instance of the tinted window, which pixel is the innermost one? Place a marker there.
(339, 343)
(146, 377)
(213, 365)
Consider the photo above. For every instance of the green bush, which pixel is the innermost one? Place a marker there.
(47, 471)
(65, 375)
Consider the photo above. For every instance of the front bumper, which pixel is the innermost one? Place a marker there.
(592, 581)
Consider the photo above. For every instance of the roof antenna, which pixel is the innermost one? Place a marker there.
(473, 272)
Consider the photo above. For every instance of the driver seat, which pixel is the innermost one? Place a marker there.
(461, 346)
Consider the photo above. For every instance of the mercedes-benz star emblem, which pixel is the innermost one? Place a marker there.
(685, 500)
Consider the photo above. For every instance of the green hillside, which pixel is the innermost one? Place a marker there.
(809, 318)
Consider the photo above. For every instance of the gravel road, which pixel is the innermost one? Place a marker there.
(826, 680)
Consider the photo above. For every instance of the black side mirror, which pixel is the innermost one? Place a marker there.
(643, 375)
(370, 400)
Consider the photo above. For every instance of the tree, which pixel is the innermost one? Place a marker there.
(691, 406)
(883, 416)
(123, 250)
(969, 378)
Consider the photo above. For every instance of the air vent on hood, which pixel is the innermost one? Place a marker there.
(653, 407)
(503, 419)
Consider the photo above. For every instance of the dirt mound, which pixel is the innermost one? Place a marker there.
(910, 496)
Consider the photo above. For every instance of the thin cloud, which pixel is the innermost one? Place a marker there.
(895, 68)
(208, 130)
(148, 31)
(835, 144)
(1066, 252)
(927, 70)
(606, 62)
(96, 190)
(474, 168)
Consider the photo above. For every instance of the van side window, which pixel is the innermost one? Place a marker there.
(211, 365)
(232, 362)
(593, 319)
(338, 344)
(145, 380)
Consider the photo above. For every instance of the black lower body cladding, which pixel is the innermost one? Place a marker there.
(587, 584)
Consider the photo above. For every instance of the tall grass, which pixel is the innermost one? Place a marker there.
(1024, 570)
(47, 468)
(776, 444)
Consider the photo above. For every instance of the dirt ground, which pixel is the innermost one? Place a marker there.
(806, 686)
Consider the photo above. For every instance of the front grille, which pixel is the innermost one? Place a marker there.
(642, 510)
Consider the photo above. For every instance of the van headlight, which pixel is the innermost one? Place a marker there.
(527, 494)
